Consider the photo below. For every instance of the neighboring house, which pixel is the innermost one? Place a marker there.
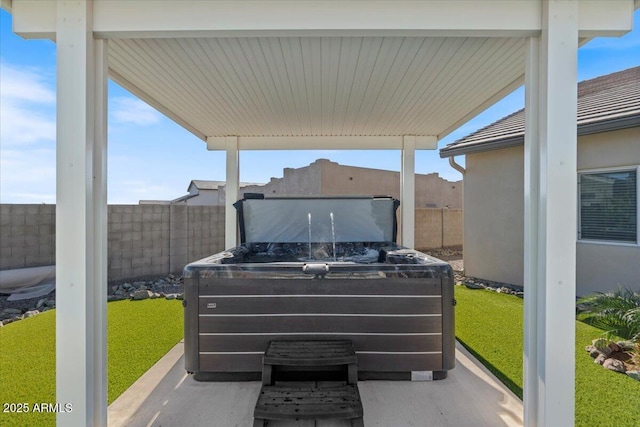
(608, 238)
(201, 193)
(324, 177)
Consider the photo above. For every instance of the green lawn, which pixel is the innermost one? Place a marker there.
(139, 334)
(490, 326)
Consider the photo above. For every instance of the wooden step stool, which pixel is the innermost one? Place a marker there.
(290, 402)
(309, 354)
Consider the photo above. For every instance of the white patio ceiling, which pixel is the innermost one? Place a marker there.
(318, 86)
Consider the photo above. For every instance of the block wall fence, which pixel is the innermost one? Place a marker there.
(154, 240)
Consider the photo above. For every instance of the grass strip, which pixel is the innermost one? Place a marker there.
(139, 333)
(490, 325)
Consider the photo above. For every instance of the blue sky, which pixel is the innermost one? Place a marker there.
(150, 157)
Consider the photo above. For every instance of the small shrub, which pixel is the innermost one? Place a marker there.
(617, 313)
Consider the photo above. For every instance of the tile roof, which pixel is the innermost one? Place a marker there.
(605, 103)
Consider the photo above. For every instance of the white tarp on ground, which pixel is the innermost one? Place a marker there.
(25, 283)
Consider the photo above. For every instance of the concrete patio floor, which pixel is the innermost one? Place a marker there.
(167, 396)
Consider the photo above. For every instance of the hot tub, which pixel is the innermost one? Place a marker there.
(319, 268)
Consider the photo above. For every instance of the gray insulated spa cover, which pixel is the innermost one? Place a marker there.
(318, 219)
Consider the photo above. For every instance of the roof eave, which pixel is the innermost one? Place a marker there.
(514, 141)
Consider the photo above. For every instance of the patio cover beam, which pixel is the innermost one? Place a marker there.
(432, 18)
(323, 143)
(81, 218)
(550, 218)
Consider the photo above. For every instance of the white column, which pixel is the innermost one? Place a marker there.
(550, 218)
(80, 218)
(231, 193)
(101, 233)
(408, 191)
(531, 229)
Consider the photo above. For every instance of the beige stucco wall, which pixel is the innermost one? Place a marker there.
(302, 181)
(204, 198)
(493, 219)
(324, 177)
(603, 267)
(431, 190)
(493, 215)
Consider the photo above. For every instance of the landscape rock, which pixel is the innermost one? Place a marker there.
(626, 345)
(634, 374)
(502, 288)
(600, 343)
(614, 365)
(593, 352)
(141, 294)
(11, 311)
(614, 347)
(600, 359)
(605, 346)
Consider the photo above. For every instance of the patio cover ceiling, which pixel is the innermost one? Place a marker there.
(335, 68)
(318, 86)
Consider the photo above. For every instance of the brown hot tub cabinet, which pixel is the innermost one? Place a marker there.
(319, 269)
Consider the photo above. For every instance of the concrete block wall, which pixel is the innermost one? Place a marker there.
(205, 231)
(437, 228)
(138, 240)
(452, 224)
(143, 240)
(152, 240)
(27, 236)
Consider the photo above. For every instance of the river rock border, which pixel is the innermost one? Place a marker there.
(499, 287)
(169, 287)
(613, 355)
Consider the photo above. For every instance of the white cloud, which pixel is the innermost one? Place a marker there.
(27, 106)
(131, 110)
(28, 176)
(25, 85)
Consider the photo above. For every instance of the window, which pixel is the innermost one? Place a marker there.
(608, 203)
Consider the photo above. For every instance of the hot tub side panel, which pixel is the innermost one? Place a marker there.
(191, 333)
(396, 324)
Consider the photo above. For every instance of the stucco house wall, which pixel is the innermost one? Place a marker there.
(324, 177)
(300, 182)
(599, 265)
(204, 198)
(431, 190)
(493, 216)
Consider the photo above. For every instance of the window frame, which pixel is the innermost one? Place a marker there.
(635, 168)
